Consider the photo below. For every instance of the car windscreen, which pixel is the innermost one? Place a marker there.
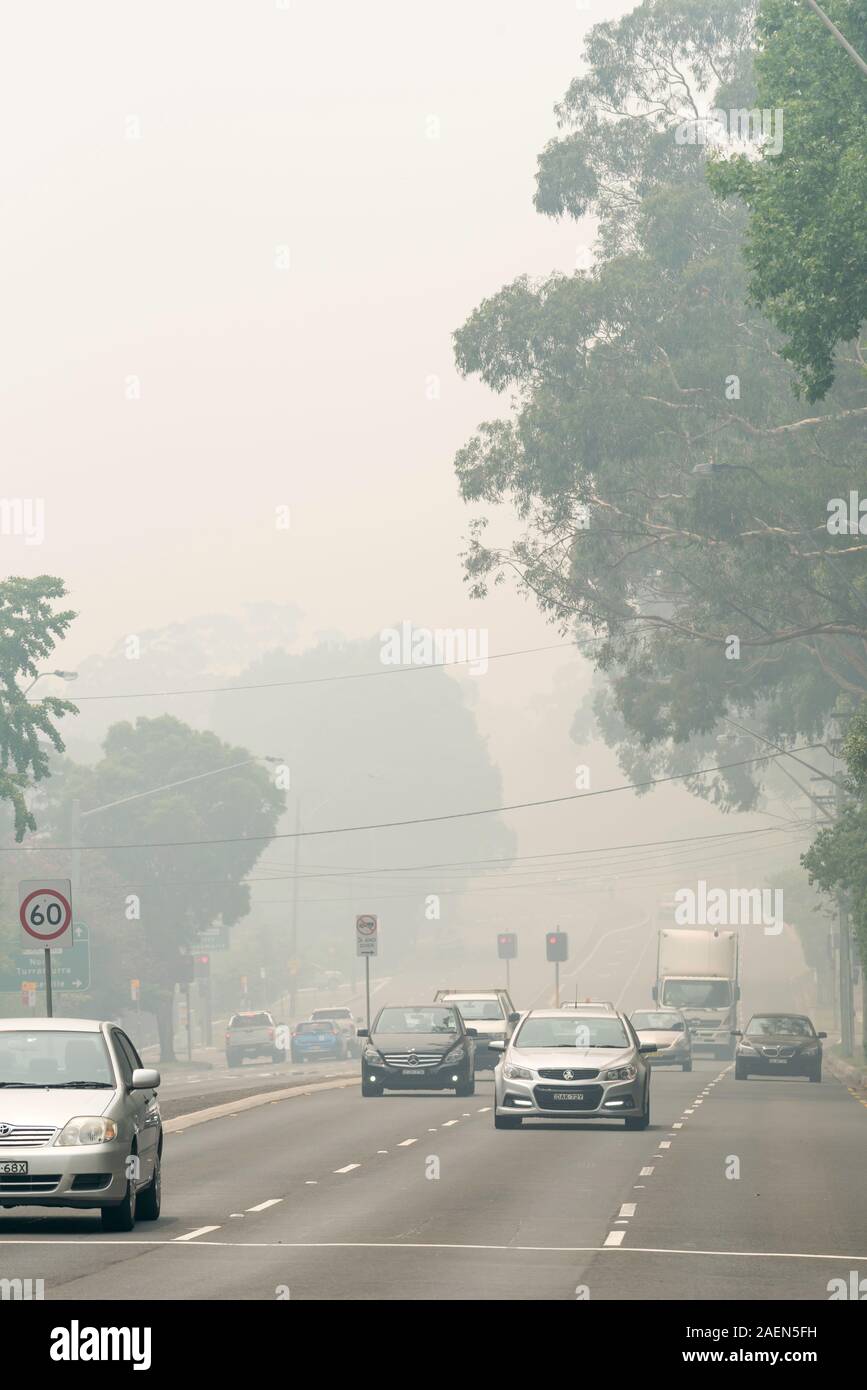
(313, 1026)
(39, 1058)
(480, 1010)
(790, 1024)
(250, 1021)
(578, 1031)
(657, 1023)
(697, 994)
(417, 1020)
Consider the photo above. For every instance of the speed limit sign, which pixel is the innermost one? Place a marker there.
(45, 912)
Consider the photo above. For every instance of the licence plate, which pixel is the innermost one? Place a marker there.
(13, 1168)
(777, 1061)
(413, 1071)
(568, 1095)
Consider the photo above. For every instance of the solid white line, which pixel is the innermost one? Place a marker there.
(271, 1202)
(202, 1231)
(645, 1172)
(405, 1143)
(628, 1209)
(95, 1241)
(614, 1238)
(348, 1169)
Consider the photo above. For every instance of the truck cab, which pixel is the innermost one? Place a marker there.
(697, 972)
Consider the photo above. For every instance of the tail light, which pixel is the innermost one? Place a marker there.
(270, 1034)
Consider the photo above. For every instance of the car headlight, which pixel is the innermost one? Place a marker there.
(810, 1051)
(87, 1129)
(514, 1073)
(371, 1055)
(457, 1054)
(744, 1046)
(627, 1073)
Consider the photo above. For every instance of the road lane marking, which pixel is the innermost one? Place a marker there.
(405, 1143)
(271, 1202)
(484, 1109)
(614, 1237)
(447, 1123)
(679, 1125)
(645, 1172)
(348, 1169)
(627, 1209)
(665, 1143)
(202, 1231)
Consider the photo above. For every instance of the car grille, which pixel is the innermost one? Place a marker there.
(591, 1096)
(567, 1074)
(778, 1051)
(28, 1182)
(27, 1137)
(413, 1059)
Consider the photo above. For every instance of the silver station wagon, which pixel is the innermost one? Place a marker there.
(79, 1121)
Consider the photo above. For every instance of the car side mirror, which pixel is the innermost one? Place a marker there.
(654, 993)
(497, 1045)
(648, 1047)
(362, 1033)
(514, 1018)
(737, 1033)
(472, 1032)
(145, 1079)
(821, 1035)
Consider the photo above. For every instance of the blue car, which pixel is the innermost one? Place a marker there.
(317, 1038)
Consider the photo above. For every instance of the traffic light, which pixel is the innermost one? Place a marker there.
(202, 966)
(557, 945)
(184, 971)
(507, 945)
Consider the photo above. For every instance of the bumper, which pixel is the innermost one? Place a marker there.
(430, 1078)
(87, 1176)
(788, 1066)
(588, 1099)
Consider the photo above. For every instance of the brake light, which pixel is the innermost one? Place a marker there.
(270, 1033)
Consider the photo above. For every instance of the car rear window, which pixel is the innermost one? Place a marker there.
(250, 1021)
(332, 1013)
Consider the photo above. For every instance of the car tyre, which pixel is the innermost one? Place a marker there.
(232, 1059)
(741, 1073)
(278, 1055)
(640, 1121)
(687, 1066)
(507, 1121)
(816, 1075)
(468, 1088)
(149, 1202)
(121, 1217)
(370, 1090)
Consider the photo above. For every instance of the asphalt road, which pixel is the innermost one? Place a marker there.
(331, 1196)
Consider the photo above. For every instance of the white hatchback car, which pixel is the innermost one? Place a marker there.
(79, 1121)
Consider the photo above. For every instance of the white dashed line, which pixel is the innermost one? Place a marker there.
(405, 1143)
(679, 1125)
(450, 1122)
(271, 1202)
(645, 1172)
(628, 1209)
(348, 1169)
(202, 1231)
(615, 1237)
(665, 1143)
(483, 1110)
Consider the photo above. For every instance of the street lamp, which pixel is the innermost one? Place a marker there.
(63, 675)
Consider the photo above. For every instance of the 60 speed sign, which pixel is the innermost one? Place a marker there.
(45, 911)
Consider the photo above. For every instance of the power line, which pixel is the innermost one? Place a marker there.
(415, 820)
(326, 680)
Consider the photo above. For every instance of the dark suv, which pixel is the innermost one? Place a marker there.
(779, 1045)
(418, 1047)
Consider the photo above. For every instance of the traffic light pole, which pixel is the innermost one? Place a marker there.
(508, 977)
(556, 984)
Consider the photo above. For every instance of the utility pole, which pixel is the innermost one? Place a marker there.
(842, 41)
(847, 1009)
(293, 929)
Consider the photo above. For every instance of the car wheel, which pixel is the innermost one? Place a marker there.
(467, 1089)
(816, 1075)
(507, 1121)
(149, 1202)
(741, 1073)
(640, 1121)
(232, 1059)
(122, 1216)
(278, 1055)
(687, 1066)
(370, 1090)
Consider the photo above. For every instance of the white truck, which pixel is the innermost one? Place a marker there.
(697, 972)
(490, 1012)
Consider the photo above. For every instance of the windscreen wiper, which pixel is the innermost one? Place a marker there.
(80, 1085)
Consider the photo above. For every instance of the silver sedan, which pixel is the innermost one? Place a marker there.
(562, 1065)
(79, 1121)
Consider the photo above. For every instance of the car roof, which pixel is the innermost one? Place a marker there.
(53, 1025)
(558, 1013)
(786, 1013)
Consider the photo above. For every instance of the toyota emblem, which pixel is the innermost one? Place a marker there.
(5, 1129)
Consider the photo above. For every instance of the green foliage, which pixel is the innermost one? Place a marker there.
(625, 379)
(29, 631)
(807, 241)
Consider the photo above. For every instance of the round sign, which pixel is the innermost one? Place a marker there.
(45, 914)
(365, 926)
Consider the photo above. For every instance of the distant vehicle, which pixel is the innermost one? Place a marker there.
(779, 1045)
(426, 1047)
(697, 972)
(314, 1038)
(81, 1124)
(590, 1006)
(490, 1012)
(670, 1031)
(562, 1066)
(252, 1034)
(346, 1021)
